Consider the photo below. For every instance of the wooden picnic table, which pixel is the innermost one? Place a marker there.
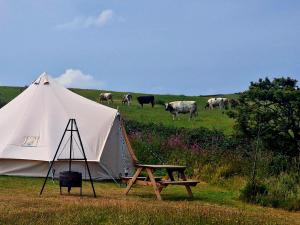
(157, 183)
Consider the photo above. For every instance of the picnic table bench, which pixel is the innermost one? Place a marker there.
(157, 182)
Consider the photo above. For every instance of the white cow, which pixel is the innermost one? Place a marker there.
(105, 97)
(183, 107)
(127, 99)
(217, 102)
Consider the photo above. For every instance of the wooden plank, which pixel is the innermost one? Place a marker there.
(180, 182)
(141, 178)
(132, 181)
(129, 178)
(174, 167)
(154, 184)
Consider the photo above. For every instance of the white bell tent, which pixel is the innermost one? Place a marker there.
(32, 125)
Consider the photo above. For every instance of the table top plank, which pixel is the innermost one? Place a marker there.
(161, 166)
(179, 182)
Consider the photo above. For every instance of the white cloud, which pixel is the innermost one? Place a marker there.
(105, 17)
(76, 78)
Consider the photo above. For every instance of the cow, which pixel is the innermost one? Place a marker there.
(146, 100)
(217, 102)
(182, 107)
(106, 97)
(127, 99)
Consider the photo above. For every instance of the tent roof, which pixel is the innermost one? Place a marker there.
(32, 124)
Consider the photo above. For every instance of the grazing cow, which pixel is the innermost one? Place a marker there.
(127, 99)
(146, 100)
(106, 97)
(217, 102)
(183, 107)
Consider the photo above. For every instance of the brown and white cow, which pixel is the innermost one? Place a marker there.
(105, 97)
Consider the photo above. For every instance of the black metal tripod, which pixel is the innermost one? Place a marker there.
(71, 127)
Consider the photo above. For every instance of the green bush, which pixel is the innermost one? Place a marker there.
(253, 191)
(283, 190)
(270, 108)
(279, 192)
(223, 172)
(278, 164)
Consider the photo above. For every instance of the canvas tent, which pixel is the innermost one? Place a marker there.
(32, 124)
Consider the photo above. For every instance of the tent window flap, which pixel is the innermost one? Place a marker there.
(31, 141)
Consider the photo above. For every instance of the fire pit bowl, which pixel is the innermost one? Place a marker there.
(70, 179)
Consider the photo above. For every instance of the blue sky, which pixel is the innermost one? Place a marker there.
(166, 46)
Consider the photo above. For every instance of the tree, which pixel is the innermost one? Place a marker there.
(272, 109)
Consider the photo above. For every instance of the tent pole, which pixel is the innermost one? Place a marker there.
(131, 151)
(54, 157)
(71, 145)
(84, 156)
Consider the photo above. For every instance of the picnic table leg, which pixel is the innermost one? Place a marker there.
(170, 174)
(154, 184)
(160, 189)
(187, 187)
(132, 181)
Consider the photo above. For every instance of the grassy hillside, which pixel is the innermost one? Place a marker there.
(213, 119)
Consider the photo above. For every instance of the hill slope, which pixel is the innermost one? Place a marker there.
(213, 119)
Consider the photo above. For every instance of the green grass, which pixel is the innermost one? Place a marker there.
(20, 203)
(213, 119)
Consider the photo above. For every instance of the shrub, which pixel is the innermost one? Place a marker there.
(279, 192)
(283, 190)
(223, 172)
(253, 191)
(271, 108)
(278, 164)
(206, 172)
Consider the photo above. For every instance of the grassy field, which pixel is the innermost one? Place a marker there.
(213, 119)
(20, 203)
